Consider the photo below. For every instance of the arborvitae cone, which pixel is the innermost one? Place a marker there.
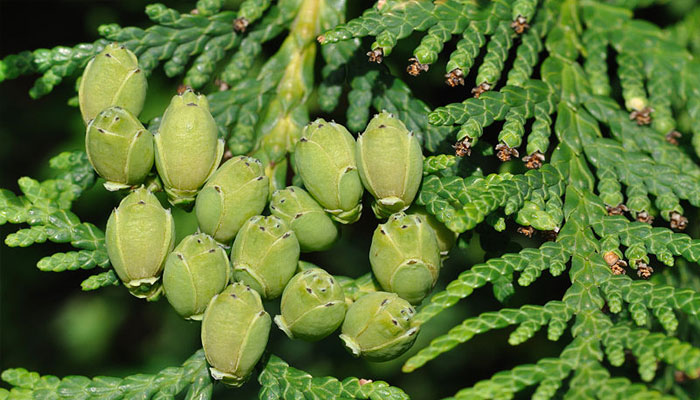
(314, 229)
(140, 234)
(119, 148)
(236, 192)
(195, 271)
(446, 238)
(378, 327)
(235, 330)
(390, 162)
(325, 160)
(187, 148)
(112, 78)
(313, 305)
(405, 257)
(265, 254)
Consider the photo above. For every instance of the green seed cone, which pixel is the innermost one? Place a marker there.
(140, 234)
(378, 327)
(195, 271)
(325, 160)
(390, 162)
(313, 305)
(446, 238)
(235, 330)
(265, 254)
(405, 257)
(112, 78)
(187, 149)
(236, 192)
(119, 148)
(314, 229)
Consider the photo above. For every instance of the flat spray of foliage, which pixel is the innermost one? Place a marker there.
(603, 107)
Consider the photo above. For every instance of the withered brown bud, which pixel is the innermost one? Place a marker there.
(645, 217)
(617, 210)
(678, 221)
(519, 24)
(534, 160)
(672, 137)
(376, 55)
(454, 77)
(240, 24)
(526, 230)
(479, 90)
(415, 67)
(505, 153)
(644, 270)
(643, 116)
(463, 147)
(617, 269)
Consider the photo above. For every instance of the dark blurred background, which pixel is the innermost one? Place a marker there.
(48, 325)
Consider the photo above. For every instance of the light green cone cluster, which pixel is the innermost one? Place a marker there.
(378, 327)
(446, 238)
(325, 160)
(119, 148)
(140, 234)
(112, 78)
(390, 163)
(235, 330)
(236, 192)
(228, 200)
(195, 271)
(405, 257)
(314, 229)
(313, 305)
(265, 255)
(188, 150)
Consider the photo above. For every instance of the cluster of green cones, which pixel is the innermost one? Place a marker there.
(243, 254)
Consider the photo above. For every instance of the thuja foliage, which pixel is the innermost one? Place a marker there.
(603, 107)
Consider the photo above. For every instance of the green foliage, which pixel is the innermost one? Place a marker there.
(176, 38)
(45, 207)
(462, 203)
(280, 381)
(596, 96)
(166, 384)
(597, 142)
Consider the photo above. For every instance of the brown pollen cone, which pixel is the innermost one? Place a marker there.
(672, 137)
(463, 147)
(645, 217)
(643, 116)
(678, 221)
(644, 270)
(376, 55)
(454, 77)
(479, 90)
(519, 24)
(526, 230)
(415, 67)
(534, 160)
(240, 24)
(505, 153)
(617, 210)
